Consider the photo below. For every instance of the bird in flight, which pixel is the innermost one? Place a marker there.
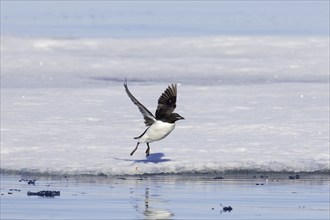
(163, 124)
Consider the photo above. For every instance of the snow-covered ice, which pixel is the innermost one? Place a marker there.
(250, 103)
(253, 85)
(47, 62)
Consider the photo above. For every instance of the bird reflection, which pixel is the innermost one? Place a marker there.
(152, 208)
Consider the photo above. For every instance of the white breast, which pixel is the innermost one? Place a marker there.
(157, 131)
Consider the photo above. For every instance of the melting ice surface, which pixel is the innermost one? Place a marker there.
(252, 102)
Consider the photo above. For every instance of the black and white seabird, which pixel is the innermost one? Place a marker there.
(164, 122)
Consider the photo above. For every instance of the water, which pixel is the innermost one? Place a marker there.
(164, 19)
(166, 197)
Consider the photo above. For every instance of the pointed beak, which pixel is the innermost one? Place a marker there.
(181, 118)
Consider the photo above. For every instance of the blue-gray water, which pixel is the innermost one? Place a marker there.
(165, 197)
(163, 19)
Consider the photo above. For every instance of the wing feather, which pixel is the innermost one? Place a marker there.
(167, 102)
(148, 117)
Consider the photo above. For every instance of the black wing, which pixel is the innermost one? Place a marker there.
(149, 119)
(166, 102)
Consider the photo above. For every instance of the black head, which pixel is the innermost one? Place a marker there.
(174, 117)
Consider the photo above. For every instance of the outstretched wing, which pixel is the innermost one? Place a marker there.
(149, 119)
(166, 102)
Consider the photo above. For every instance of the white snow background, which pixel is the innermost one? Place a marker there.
(251, 102)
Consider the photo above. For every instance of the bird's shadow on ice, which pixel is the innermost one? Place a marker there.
(152, 158)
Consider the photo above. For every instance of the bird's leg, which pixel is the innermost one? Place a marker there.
(135, 148)
(148, 150)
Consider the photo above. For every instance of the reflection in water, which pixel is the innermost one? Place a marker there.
(153, 207)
